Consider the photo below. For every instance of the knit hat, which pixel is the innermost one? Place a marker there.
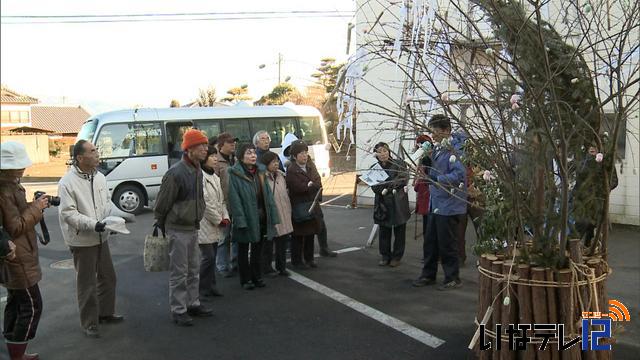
(297, 147)
(243, 149)
(268, 157)
(193, 137)
(13, 156)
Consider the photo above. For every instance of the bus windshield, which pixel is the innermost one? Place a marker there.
(88, 130)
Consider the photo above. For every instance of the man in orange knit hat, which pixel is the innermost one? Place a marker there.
(179, 218)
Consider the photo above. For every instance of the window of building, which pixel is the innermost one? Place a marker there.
(14, 116)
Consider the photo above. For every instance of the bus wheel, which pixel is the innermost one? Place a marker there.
(129, 198)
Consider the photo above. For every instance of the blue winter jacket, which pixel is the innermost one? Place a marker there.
(449, 196)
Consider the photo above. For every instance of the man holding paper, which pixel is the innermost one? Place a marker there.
(84, 206)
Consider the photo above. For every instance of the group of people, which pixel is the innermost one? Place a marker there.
(441, 198)
(228, 203)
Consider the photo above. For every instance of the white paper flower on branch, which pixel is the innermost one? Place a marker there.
(452, 159)
(515, 106)
(487, 175)
(514, 99)
(489, 51)
(445, 98)
(599, 157)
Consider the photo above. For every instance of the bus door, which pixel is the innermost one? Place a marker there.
(175, 130)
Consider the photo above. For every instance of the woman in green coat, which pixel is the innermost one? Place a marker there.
(253, 212)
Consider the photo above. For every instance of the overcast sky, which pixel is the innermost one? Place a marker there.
(105, 66)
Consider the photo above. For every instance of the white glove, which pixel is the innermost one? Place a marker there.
(394, 191)
(310, 184)
(406, 190)
(385, 191)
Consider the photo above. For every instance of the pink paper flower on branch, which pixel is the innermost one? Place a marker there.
(599, 157)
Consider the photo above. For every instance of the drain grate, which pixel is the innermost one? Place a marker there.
(62, 264)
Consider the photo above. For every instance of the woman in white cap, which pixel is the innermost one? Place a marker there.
(19, 217)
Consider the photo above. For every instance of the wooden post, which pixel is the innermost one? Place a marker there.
(552, 308)
(496, 286)
(484, 300)
(568, 317)
(540, 312)
(525, 307)
(598, 268)
(505, 312)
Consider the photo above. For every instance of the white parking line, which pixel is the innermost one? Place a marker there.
(334, 199)
(390, 321)
(349, 249)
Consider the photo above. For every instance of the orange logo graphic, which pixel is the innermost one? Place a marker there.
(617, 311)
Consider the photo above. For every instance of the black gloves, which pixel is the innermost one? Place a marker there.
(100, 227)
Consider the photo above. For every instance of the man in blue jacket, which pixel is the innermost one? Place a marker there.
(448, 190)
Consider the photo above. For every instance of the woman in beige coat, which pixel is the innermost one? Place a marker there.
(213, 224)
(278, 185)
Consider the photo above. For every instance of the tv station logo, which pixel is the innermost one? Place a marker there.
(595, 326)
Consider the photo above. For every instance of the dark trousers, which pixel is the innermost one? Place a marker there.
(281, 253)
(250, 268)
(476, 217)
(208, 254)
(95, 282)
(441, 242)
(384, 241)
(323, 238)
(22, 314)
(302, 246)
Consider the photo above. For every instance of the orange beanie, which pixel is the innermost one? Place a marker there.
(193, 137)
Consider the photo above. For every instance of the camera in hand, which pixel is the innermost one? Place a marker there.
(53, 200)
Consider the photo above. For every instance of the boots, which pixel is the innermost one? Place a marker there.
(16, 352)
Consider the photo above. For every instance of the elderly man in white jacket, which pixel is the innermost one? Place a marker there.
(84, 203)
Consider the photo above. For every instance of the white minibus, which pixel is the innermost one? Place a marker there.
(137, 146)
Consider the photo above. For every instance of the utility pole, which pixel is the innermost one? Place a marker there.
(279, 66)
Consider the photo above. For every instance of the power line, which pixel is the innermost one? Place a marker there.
(172, 20)
(181, 14)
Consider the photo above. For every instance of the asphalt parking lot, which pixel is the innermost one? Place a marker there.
(347, 308)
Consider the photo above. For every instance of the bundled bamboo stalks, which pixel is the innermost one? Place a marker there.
(540, 295)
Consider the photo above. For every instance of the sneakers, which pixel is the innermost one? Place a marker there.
(92, 332)
(199, 311)
(423, 281)
(450, 285)
(383, 262)
(182, 319)
(394, 263)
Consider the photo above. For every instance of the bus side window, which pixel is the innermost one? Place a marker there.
(239, 128)
(115, 140)
(148, 139)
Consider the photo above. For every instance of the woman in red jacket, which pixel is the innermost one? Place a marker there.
(421, 186)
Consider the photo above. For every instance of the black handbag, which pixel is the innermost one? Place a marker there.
(300, 212)
(380, 211)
